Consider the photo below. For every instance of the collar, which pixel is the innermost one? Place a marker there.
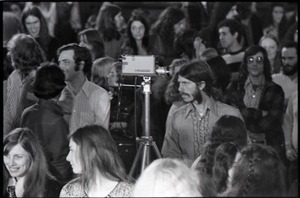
(84, 88)
(211, 105)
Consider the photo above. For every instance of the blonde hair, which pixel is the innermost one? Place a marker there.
(167, 178)
(100, 69)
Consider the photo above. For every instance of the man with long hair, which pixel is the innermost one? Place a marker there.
(189, 126)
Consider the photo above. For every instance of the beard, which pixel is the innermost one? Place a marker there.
(197, 96)
(289, 72)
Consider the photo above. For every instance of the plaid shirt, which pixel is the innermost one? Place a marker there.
(271, 102)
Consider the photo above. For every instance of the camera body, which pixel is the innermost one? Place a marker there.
(141, 65)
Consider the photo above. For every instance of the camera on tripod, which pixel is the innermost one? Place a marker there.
(139, 65)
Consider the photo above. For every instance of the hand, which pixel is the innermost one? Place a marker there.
(66, 101)
(291, 154)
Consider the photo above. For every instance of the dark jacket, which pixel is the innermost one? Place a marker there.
(271, 101)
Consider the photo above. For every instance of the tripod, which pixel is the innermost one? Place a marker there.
(145, 141)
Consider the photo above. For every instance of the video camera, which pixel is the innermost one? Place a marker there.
(139, 65)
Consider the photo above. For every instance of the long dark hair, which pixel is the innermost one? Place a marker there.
(145, 40)
(44, 37)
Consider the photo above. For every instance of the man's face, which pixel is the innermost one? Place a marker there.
(289, 59)
(67, 64)
(189, 90)
(226, 38)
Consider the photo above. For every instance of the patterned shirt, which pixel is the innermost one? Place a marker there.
(187, 133)
(75, 189)
(91, 105)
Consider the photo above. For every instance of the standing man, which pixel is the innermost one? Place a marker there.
(189, 126)
(231, 35)
(91, 103)
(288, 78)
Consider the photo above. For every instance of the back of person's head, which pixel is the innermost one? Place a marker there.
(221, 71)
(100, 70)
(35, 177)
(93, 38)
(244, 10)
(98, 152)
(49, 81)
(167, 178)
(234, 26)
(164, 25)
(227, 129)
(250, 51)
(184, 44)
(223, 160)
(80, 54)
(11, 26)
(258, 172)
(25, 52)
(105, 22)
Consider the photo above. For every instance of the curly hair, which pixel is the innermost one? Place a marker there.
(105, 22)
(259, 172)
(226, 129)
(165, 23)
(26, 53)
(49, 81)
(184, 43)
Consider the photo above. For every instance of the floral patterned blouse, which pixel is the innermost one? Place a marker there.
(75, 189)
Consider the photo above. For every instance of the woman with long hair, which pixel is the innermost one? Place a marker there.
(27, 167)
(95, 159)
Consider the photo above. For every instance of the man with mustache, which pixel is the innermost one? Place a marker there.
(288, 78)
(188, 127)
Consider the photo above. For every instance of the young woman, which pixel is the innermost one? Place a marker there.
(26, 167)
(95, 159)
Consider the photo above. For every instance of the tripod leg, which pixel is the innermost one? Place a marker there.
(135, 160)
(145, 158)
(156, 150)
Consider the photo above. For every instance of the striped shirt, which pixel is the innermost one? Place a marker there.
(90, 106)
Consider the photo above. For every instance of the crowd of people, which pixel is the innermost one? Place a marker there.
(224, 115)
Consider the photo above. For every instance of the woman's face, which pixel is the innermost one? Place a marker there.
(137, 30)
(270, 46)
(33, 25)
(112, 77)
(119, 21)
(17, 161)
(277, 14)
(73, 157)
(255, 64)
(179, 27)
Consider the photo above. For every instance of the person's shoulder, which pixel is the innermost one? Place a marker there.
(71, 186)
(223, 107)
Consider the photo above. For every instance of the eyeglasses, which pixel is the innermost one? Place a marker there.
(251, 59)
(65, 62)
